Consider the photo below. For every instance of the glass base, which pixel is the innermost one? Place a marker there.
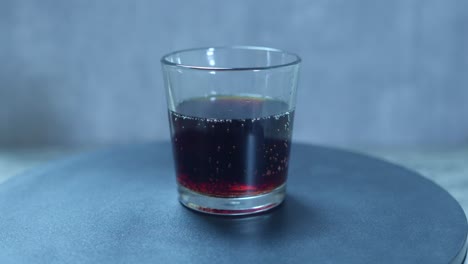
(231, 206)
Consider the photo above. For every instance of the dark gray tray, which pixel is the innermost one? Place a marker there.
(120, 206)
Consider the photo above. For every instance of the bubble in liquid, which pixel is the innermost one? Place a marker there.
(223, 162)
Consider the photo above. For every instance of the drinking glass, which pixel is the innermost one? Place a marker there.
(231, 112)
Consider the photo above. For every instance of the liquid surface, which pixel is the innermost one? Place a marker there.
(231, 146)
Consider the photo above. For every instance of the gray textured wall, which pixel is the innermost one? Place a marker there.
(374, 71)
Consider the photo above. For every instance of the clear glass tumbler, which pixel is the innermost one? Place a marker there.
(231, 112)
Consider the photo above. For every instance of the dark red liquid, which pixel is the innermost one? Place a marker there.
(231, 146)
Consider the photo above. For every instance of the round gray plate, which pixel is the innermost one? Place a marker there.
(120, 206)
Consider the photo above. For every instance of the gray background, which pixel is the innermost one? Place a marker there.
(375, 72)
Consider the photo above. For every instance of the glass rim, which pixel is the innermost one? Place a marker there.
(295, 61)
